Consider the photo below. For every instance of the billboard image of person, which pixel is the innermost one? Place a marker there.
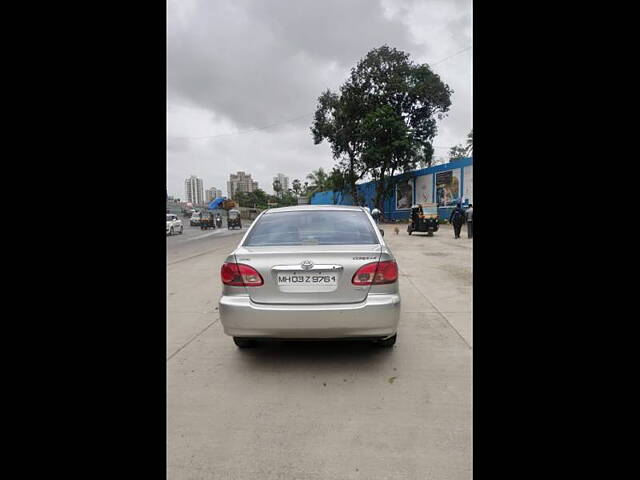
(424, 189)
(404, 195)
(448, 187)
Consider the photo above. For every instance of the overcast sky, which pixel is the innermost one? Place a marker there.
(249, 72)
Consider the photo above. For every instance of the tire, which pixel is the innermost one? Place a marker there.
(171, 231)
(244, 342)
(387, 342)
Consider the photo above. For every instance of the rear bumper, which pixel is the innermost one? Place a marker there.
(377, 316)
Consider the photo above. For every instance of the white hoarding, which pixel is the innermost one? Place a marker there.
(404, 194)
(424, 189)
(468, 183)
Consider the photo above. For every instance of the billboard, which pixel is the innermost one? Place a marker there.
(468, 184)
(448, 187)
(404, 194)
(424, 189)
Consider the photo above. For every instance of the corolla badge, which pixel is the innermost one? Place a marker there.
(307, 265)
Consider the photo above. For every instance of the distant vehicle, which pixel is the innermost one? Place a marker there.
(194, 221)
(311, 272)
(424, 218)
(207, 221)
(174, 224)
(233, 220)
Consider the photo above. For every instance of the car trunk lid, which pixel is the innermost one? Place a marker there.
(308, 274)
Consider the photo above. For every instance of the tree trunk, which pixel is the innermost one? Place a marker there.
(352, 181)
(380, 191)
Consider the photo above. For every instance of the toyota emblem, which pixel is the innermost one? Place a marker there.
(307, 265)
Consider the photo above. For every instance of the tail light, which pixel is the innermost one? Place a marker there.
(240, 275)
(377, 273)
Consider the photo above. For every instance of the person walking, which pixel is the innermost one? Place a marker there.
(457, 219)
(375, 213)
(469, 217)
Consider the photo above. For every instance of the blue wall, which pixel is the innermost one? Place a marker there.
(331, 198)
(368, 191)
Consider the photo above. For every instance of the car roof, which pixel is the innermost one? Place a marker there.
(297, 208)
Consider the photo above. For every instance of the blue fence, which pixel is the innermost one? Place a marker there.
(367, 191)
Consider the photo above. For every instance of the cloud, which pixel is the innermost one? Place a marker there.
(237, 66)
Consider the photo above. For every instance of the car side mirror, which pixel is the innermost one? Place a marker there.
(381, 232)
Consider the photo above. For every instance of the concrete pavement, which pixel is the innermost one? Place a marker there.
(323, 410)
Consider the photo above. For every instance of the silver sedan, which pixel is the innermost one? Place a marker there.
(311, 272)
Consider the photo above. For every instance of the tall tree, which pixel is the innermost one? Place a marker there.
(296, 186)
(469, 150)
(384, 120)
(277, 187)
(318, 180)
(337, 120)
(456, 152)
(338, 183)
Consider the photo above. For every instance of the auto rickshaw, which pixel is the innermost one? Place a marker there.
(207, 222)
(424, 218)
(233, 219)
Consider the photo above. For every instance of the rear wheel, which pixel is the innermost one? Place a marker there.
(387, 342)
(244, 342)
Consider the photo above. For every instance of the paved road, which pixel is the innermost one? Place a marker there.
(325, 410)
(193, 240)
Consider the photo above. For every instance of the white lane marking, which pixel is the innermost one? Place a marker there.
(216, 232)
(221, 231)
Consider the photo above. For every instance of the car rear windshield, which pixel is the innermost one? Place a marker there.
(312, 227)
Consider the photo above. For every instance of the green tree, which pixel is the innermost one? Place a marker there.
(277, 187)
(288, 198)
(297, 187)
(318, 180)
(384, 120)
(457, 152)
(338, 182)
(469, 150)
(337, 120)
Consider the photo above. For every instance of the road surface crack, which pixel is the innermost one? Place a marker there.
(191, 339)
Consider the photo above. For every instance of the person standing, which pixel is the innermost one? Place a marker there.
(469, 217)
(457, 219)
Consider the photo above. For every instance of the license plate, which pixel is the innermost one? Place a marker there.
(307, 279)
